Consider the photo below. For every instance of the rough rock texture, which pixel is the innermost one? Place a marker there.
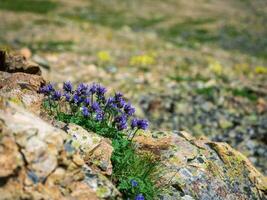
(202, 169)
(35, 163)
(17, 63)
(21, 88)
(96, 150)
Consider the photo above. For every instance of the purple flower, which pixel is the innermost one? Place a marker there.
(82, 89)
(129, 110)
(118, 95)
(47, 89)
(56, 95)
(139, 123)
(85, 111)
(99, 115)
(100, 90)
(134, 183)
(93, 88)
(77, 99)
(67, 96)
(139, 197)
(120, 103)
(67, 86)
(43, 90)
(120, 119)
(87, 101)
(95, 107)
(134, 123)
(121, 122)
(121, 126)
(50, 87)
(111, 102)
(142, 124)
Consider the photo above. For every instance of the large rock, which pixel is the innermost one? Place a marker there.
(35, 163)
(21, 88)
(17, 63)
(201, 169)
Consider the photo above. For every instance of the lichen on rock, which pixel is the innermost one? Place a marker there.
(202, 169)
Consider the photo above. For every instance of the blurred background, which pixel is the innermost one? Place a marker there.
(195, 65)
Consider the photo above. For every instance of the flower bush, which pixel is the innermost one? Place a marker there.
(134, 174)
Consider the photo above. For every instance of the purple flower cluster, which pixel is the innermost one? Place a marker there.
(121, 122)
(47, 89)
(67, 86)
(134, 183)
(139, 197)
(90, 101)
(139, 124)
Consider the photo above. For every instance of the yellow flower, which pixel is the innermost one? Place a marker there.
(261, 70)
(216, 67)
(142, 60)
(104, 56)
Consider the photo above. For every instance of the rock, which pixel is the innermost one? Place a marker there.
(18, 63)
(154, 145)
(82, 191)
(205, 170)
(35, 165)
(95, 150)
(9, 159)
(261, 105)
(101, 184)
(224, 123)
(21, 88)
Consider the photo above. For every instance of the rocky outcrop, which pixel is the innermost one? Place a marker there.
(202, 169)
(42, 161)
(37, 163)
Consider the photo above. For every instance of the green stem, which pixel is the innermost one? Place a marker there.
(133, 134)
